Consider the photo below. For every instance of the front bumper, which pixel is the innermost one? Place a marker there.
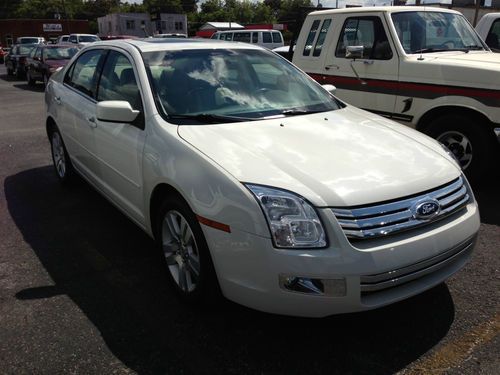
(357, 276)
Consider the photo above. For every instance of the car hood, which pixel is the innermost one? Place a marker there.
(346, 157)
(475, 69)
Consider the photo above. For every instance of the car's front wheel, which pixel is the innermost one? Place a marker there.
(186, 254)
(60, 158)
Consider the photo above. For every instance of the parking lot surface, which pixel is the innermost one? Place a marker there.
(82, 291)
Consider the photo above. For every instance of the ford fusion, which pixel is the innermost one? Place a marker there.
(256, 182)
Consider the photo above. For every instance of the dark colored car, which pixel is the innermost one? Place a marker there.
(15, 61)
(3, 53)
(46, 59)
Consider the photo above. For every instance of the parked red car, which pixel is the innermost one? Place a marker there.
(46, 59)
(2, 55)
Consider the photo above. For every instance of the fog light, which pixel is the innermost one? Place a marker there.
(318, 287)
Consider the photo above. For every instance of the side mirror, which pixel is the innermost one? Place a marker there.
(118, 111)
(354, 52)
(330, 88)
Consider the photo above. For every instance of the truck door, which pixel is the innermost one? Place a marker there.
(369, 81)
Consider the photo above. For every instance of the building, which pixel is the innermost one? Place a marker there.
(208, 29)
(141, 25)
(50, 29)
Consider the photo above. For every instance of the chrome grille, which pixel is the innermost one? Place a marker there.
(389, 218)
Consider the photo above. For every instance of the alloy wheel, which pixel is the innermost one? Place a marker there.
(181, 251)
(58, 154)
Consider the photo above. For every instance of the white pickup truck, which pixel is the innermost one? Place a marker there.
(488, 28)
(422, 66)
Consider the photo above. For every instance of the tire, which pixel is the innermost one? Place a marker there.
(19, 73)
(31, 81)
(186, 257)
(60, 158)
(468, 140)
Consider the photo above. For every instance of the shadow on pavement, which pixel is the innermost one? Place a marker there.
(39, 87)
(111, 270)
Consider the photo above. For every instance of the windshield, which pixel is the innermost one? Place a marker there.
(88, 38)
(64, 53)
(240, 84)
(29, 40)
(25, 49)
(421, 32)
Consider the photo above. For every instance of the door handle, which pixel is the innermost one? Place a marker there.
(57, 99)
(91, 122)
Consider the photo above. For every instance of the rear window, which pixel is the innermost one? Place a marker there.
(310, 38)
(277, 38)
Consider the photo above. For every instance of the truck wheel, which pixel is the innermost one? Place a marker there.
(185, 252)
(467, 140)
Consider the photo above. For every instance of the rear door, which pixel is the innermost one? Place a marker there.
(78, 110)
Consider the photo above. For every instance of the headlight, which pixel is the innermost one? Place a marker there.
(292, 221)
(451, 154)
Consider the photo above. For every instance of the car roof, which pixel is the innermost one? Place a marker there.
(173, 44)
(388, 9)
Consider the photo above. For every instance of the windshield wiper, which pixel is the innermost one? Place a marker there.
(297, 112)
(210, 118)
(427, 50)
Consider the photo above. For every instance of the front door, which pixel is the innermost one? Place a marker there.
(119, 146)
(369, 82)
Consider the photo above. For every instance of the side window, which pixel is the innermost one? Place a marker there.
(493, 37)
(266, 37)
(321, 37)
(118, 81)
(310, 38)
(242, 37)
(83, 74)
(367, 32)
(229, 36)
(255, 37)
(277, 38)
(38, 53)
(72, 39)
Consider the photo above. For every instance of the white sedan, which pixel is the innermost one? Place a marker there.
(256, 181)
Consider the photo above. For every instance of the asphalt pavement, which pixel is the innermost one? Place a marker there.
(82, 291)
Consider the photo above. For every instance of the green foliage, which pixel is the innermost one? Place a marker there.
(240, 11)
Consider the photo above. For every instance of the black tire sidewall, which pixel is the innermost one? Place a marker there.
(206, 290)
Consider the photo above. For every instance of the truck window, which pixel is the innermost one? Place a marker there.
(310, 38)
(266, 37)
(321, 37)
(493, 38)
(255, 37)
(277, 38)
(367, 32)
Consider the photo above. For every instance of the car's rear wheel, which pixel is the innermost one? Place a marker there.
(186, 254)
(60, 158)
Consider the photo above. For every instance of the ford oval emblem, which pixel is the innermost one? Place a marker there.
(426, 209)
